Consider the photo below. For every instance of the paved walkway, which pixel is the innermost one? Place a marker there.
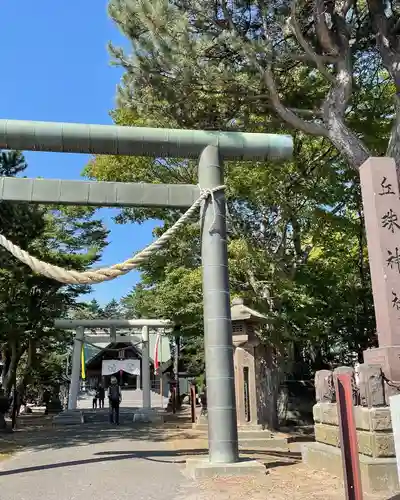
(103, 465)
(120, 463)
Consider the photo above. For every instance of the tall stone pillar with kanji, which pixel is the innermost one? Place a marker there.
(380, 194)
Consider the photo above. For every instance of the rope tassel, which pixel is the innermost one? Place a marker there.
(71, 277)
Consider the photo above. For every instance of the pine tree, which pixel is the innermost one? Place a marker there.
(190, 67)
(112, 310)
(297, 246)
(29, 303)
(327, 69)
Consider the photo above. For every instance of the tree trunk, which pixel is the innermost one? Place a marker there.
(23, 383)
(269, 373)
(14, 357)
(6, 357)
(4, 404)
(346, 141)
(3, 423)
(393, 149)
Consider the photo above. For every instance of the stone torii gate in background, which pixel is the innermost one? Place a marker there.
(80, 325)
(211, 148)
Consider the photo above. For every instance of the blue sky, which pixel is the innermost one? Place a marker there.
(55, 67)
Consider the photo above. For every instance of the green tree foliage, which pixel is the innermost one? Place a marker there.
(329, 69)
(112, 310)
(296, 235)
(93, 310)
(87, 310)
(48, 372)
(66, 236)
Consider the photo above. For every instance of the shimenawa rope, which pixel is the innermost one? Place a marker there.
(72, 277)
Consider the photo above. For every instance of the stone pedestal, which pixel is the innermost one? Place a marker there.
(377, 474)
(247, 349)
(375, 444)
(245, 384)
(147, 416)
(252, 436)
(200, 468)
(388, 358)
(249, 387)
(69, 417)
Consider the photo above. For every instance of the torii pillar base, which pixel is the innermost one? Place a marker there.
(69, 417)
(200, 468)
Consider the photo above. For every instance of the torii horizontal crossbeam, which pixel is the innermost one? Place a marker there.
(140, 141)
(96, 193)
(108, 323)
(119, 339)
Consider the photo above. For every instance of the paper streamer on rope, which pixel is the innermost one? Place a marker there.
(156, 353)
(112, 366)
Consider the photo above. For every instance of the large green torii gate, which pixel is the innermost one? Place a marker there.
(211, 148)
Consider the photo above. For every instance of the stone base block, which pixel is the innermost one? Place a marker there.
(387, 358)
(203, 427)
(264, 440)
(69, 417)
(367, 419)
(200, 468)
(254, 436)
(372, 444)
(377, 474)
(147, 416)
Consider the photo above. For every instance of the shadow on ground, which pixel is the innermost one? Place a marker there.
(160, 456)
(81, 435)
(88, 434)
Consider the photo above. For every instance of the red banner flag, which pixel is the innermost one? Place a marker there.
(156, 353)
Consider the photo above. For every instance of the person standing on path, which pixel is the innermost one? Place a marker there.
(114, 398)
(95, 398)
(102, 395)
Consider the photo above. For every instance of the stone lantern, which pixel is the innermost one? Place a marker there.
(250, 384)
(245, 325)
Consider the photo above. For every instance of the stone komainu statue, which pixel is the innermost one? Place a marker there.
(203, 401)
(324, 386)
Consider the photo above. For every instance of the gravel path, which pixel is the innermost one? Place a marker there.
(117, 468)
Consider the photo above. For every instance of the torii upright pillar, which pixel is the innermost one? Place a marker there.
(75, 368)
(213, 147)
(146, 369)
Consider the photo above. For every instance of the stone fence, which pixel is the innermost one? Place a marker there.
(374, 428)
